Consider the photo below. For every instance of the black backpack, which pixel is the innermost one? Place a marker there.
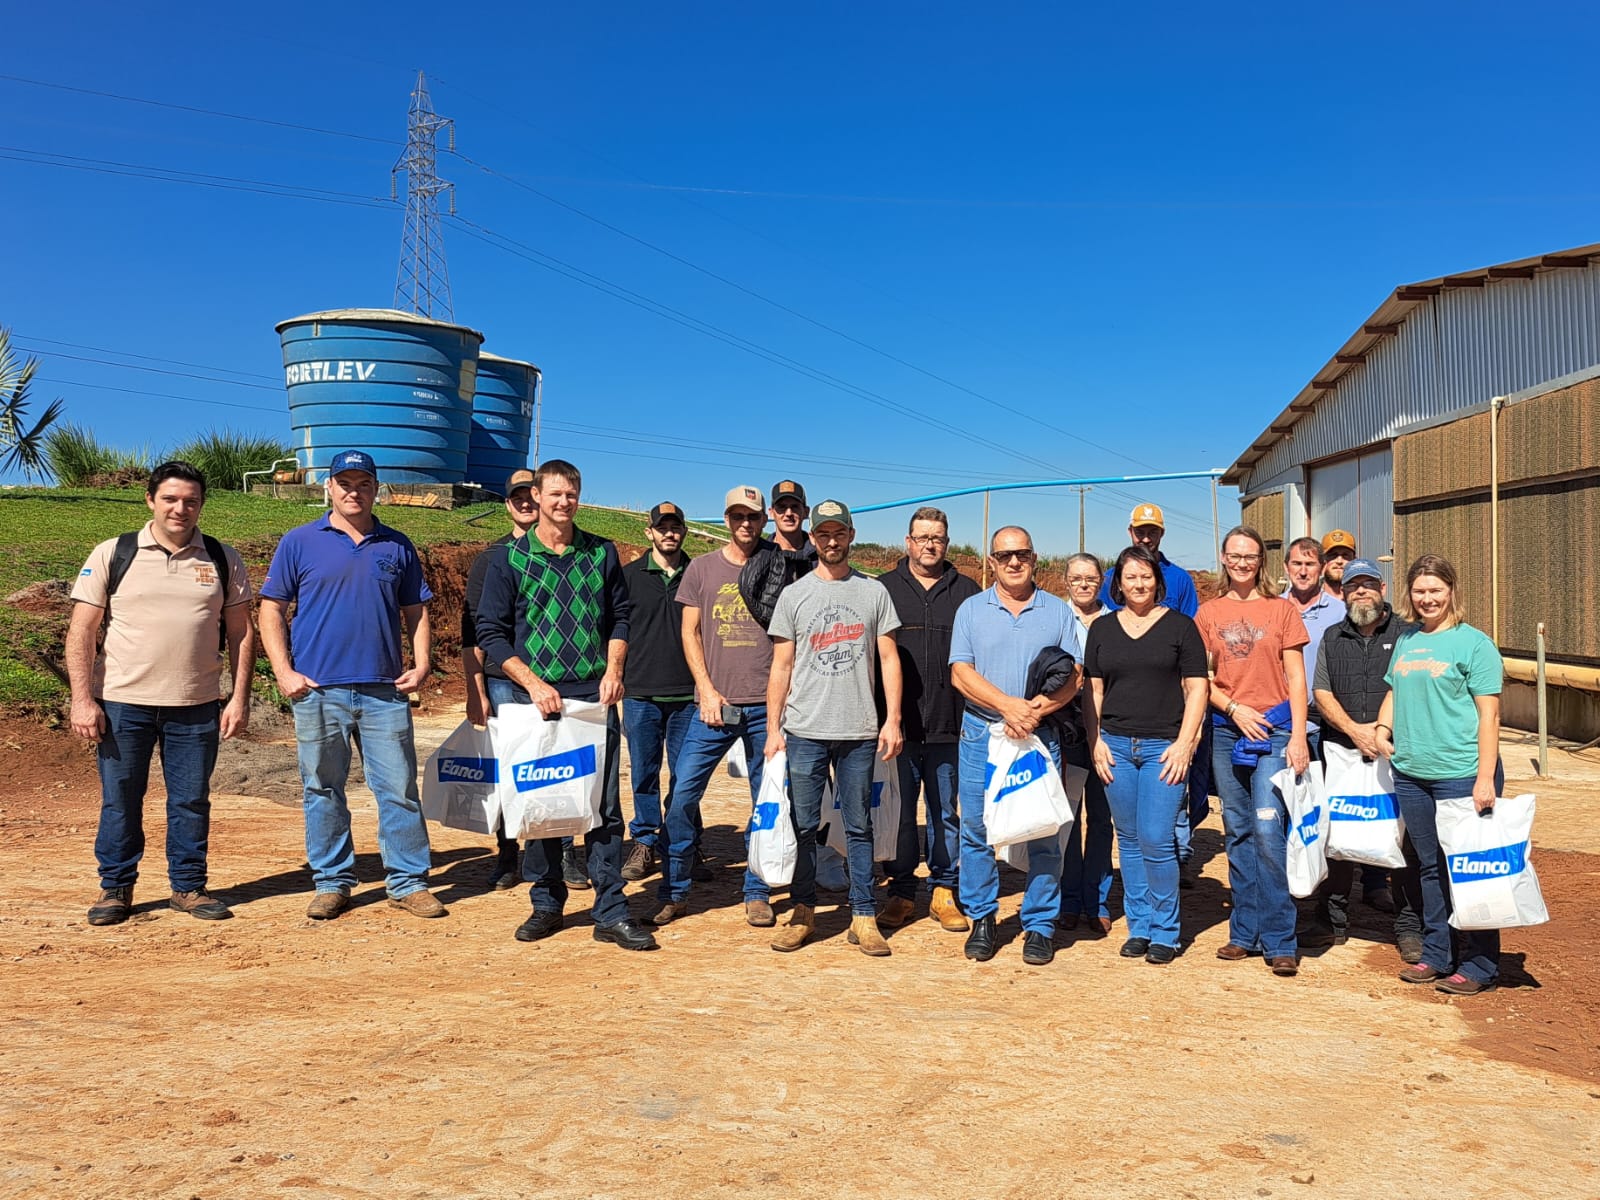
(128, 546)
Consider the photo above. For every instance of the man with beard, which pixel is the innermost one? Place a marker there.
(1349, 689)
(1338, 549)
(1319, 610)
(776, 564)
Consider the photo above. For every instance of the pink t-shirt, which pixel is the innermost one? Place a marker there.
(1246, 640)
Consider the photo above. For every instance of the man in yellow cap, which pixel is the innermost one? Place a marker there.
(1338, 548)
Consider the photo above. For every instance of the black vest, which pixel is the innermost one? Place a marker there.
(1356, 667)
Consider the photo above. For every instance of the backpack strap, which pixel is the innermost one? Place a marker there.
(121, 560)
(219, 559)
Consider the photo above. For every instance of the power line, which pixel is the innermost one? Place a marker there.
(177, 362)
(106, 387)
(106, 362)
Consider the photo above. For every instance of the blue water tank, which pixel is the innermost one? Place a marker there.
(502, 419)
(394, 384)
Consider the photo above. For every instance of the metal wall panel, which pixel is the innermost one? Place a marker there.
(1356, 494)
(1462, 348)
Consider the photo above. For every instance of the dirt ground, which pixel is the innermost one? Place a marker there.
(380, 1055)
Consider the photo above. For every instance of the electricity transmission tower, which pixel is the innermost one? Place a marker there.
(423, 283)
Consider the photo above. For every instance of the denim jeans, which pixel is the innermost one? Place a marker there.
(1086, 858)
(1418, 800)
(378, 717)
(928, 768)
(651, 726)
(1145, 810)
(1255, 824)
(849, 761)
(980, 873)
(702, 752)
(1334, 906)
(187, 735)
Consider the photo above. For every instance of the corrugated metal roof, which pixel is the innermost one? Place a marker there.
(335, 315)
(1386, 322)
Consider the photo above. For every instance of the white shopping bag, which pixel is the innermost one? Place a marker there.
(737, 766)
(1023, 797)
(773, 845)
(459, 782)
(550, 771)
(885, 812)
(1364, 822)
(1073, 780)
(1308, 828)
(1490, 860)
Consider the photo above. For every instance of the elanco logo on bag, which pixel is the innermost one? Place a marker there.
(1362, 808)
(557, 768)
(1307, 829)
(469, 770)
(1025, 770)
(1486, 864)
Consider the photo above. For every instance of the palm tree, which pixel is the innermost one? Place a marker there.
(21, 448)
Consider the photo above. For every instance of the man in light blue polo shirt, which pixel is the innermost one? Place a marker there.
(352, 581)
(1318, 609)
(996, 638)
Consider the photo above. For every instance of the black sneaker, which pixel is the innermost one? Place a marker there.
(1135, 948)
(575, 868)
(541, 924)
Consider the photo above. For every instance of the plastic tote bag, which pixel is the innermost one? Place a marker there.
(1308, 828)
(738, 768)
(1023, 796)
(1364, 822)
(1490, 860)
(549, 770)
(773, 845)
(459, 782)
(885, 812)
(1072, 779)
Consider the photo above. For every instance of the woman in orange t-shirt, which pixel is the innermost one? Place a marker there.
(1258, 696)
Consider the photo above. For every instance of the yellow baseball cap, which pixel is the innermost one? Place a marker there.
(1339, 539)
(1147, 514)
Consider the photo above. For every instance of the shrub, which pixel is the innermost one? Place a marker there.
(223, 456)
(76, 457)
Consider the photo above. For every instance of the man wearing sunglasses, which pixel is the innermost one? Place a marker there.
(997, 636)
(787, 557)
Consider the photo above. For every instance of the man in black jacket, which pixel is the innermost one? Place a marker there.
(657, 688)
(787, 557)
(1349, 688)
(927, 589)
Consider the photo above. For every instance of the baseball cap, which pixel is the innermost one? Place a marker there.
(787, 488)
(830, 512)
(744, 496)
(1361, 568)
(1147, 514)
(353, 460)
(522, 478)
(1340, 539)
(666, 509)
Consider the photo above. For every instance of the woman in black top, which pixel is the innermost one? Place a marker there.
(1146, 667)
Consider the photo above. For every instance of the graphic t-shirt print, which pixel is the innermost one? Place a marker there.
(1239, 637)
(1423, 662)
(733, 625)
(836, 641)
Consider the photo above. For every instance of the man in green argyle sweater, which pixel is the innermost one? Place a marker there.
(554, 614)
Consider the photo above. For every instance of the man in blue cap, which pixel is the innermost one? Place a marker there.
(353, 581)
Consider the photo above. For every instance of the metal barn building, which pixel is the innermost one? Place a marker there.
(1463, 418)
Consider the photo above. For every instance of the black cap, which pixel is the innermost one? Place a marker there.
(666, 509)
(788, 488)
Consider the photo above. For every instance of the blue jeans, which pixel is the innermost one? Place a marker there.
(703, 749)
(1255, 824)
(1418, 800)
(379, 718)
(980, 873)
(1086, 859)
(928, 768)
(1199, 796)
(651, 726)
(1145, 810)
(502, 692)
(187, 735)
(850, 763)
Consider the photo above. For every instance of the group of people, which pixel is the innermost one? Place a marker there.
(781, 646)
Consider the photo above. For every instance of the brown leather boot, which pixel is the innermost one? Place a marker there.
(802, 924)
(864, 933)
(943, 909)
(896, 911)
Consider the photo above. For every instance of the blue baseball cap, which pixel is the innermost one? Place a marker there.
(353, 460)
(1360, 568)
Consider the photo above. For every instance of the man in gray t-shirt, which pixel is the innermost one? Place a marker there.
(828, 629)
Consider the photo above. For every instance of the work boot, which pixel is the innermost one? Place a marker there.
(981, 945)
(575, 867)
(1410, 947)
(641, 863)
(802, 924)
(113, 906)
(759, 914)
(864, 933)
(420, 903)
(943, 909)
(199, 903)
(896, 912)
(325, 906)
(507, 871)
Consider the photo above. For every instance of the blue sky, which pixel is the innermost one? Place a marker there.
(1147, 226)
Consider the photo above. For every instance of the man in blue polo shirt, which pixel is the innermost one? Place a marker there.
(1321, 612)
(352, 581)
(996, 638)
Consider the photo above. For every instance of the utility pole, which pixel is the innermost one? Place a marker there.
(422, 285)
(1083, 490)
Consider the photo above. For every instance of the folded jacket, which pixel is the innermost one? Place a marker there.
(1248, 752)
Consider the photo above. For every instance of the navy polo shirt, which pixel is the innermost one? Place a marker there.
(347, 599)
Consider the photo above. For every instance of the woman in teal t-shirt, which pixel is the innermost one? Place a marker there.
(1440, 725)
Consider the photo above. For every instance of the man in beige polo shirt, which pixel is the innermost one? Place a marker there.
(157, 680)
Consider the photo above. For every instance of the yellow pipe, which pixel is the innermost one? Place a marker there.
(1526, 670)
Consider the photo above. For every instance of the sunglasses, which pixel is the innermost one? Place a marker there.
(1012, 556)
